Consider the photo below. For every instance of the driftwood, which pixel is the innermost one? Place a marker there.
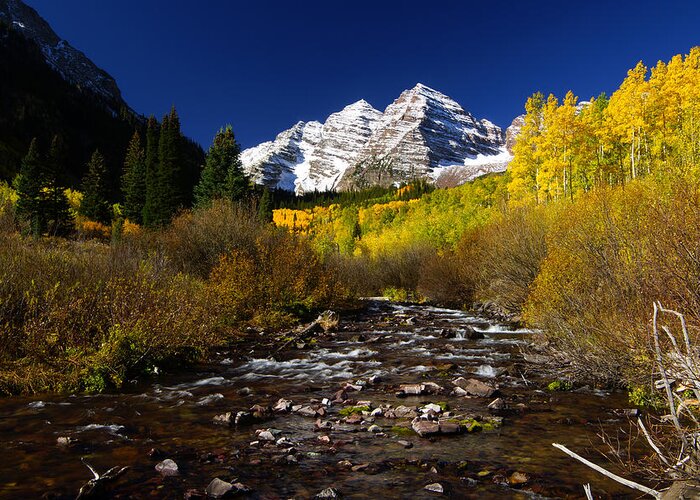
(325, 321)
(608, 474)
(94, 488)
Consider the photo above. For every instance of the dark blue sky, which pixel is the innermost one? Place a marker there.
(263, 65)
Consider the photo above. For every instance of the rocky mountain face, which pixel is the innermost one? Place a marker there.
(313, 156)
(422, 134)
(512, 132)
(74, 66)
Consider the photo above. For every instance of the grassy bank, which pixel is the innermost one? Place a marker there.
(88, 315)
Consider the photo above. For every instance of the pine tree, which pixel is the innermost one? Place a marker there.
(171, 169)
(222, 158)
(134, 180)
(29, 185)
(265, 206)
(237, 183)
(57, 208)
(95, 204)
(149, 214)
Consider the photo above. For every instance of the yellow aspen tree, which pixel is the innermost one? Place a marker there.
(626, 113)
(525, 166)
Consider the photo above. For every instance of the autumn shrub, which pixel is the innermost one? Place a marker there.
(443, 281)
(272, 284)
(401, 267)
(611, 255)
(356, 272)
(196, 239)
(75, 317)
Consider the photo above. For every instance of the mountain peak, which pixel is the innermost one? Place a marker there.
(424, 133)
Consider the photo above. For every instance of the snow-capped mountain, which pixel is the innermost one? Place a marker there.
(72, 64)
(422, 134)
(312, 155)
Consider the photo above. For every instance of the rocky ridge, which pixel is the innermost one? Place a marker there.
(422, 134)
(74, 66)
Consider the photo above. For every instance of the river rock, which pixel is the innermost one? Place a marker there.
(328, 493)
(374, 429)
(432, 388)
(167, 467)
(475, 387)
(431, 407)
(458, 391)
(435, 488)
(404, 412)
(340, 396)
(405, 444)
(322, 425)
(352, 387)
(218, 488)
(265, 435)
(377, 412)
(306, 411)
(324, 439)
(355, 418)
(425, 428)
(412, 389)
(282, 406)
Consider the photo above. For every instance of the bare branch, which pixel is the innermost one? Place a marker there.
(608, 474)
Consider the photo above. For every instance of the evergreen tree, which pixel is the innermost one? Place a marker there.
(29, 185)
(172, 189)
(265, 206)
(95, 204)
(55, 200)
(149, 215)
(134, 180)
(222, 158)
(237, 183)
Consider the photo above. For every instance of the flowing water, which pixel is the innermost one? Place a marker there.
(172, 417)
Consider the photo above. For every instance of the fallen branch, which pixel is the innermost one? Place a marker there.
(94, 487)
(610, 475)
(652, 444)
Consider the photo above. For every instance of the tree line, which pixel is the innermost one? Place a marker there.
(159, 179)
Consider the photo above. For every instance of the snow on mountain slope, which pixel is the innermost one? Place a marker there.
(422, 134)
(312, 156)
